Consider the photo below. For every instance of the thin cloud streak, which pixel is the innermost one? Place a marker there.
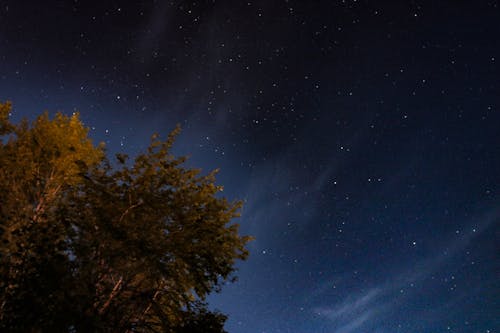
(350, 307)
(378, 303)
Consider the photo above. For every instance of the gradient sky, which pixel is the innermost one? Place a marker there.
(364, 137)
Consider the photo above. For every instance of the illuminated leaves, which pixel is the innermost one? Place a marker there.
(132, 247)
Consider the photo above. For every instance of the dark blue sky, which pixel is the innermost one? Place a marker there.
(363, 137)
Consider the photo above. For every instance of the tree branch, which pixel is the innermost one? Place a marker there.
(112, 295)
(129, 209)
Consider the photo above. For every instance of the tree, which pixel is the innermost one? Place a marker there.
(87, 245)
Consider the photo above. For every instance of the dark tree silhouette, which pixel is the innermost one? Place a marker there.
(87, 245)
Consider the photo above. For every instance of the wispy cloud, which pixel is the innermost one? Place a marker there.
(353, 312)
(356, 322)
(366, 309)
(351, 307)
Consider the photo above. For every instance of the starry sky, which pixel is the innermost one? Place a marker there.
(363, 137)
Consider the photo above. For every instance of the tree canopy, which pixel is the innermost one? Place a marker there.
(93, 245)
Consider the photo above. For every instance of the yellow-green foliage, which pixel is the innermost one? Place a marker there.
(40, 160)
(57, 148)
(5, 126)
(90, 246)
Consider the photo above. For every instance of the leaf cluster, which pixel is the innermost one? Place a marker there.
(89, 245)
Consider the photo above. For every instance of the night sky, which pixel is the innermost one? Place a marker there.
(363, 136)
